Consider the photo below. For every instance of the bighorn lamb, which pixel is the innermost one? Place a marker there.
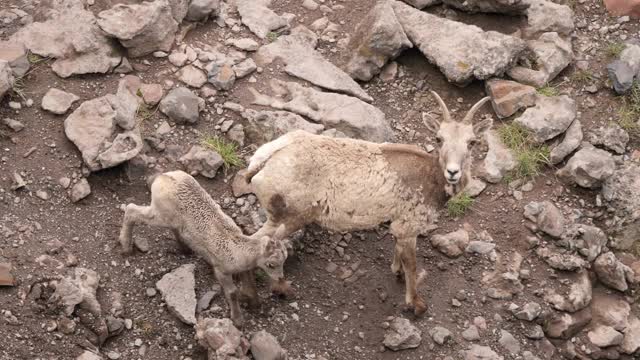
(347, 184)
(179, 203)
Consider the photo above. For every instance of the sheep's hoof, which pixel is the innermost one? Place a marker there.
(126, 251)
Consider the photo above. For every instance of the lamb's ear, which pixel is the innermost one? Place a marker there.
(268, 245)
(280, 233)
(481, 126)
(431, 122)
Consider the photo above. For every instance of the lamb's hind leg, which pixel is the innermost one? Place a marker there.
(133, 215)
(408, 257)
(231, 295)
(396, 265)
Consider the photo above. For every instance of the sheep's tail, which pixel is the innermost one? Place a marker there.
(264, 153)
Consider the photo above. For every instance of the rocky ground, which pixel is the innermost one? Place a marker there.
(97, 96)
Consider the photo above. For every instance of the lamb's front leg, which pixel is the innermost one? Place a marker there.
(231, 295)
(134, 214)
(248, 290)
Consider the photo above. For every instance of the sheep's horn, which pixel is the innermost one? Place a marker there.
(472, 112)
(446, 116)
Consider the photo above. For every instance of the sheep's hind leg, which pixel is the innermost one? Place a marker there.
(408, 256)
(231, 295)
(133, 215)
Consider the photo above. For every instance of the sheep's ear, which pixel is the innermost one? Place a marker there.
(481, 126)
(431, 122)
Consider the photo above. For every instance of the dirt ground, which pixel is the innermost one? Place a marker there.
(330, 317)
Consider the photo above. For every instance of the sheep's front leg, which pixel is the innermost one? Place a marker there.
(408, 256)
(231, 295)
(134, 214)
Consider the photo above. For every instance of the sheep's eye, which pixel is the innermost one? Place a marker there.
(270, 266)
(439, 139)
(472, 143)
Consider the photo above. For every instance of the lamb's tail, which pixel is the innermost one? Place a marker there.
(264, 152)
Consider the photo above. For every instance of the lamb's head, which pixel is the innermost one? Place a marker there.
(456, 140)
(273, 255)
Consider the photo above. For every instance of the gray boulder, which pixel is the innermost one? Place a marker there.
(303, 61)
(570, 142)
(421, 4)
(192, 76)
(16, 55)
(221, 76)
(200, 160)
(452, 244)
(104, 129)
(471, 53)
(378, 38)
(547, 217)
(179, 9)
(257, 16)
(58, 101)
(515, 7)
(622, 194)
(221, 338)
(141, 28)
(612, 137)
(611, 309)
(349, 115)
(605, 336)
(509, 342)
(440, 335)
(6, 78)
(551, 54)
(503, 282)
(589, 167)
(507, 97)
(74, 39)
(631, 342)
(181, 105)
(546, 16)
(200, 10)
(78, 290)
(589, 240)
(402, 335)
(178, 291)
(477, 352)
(561, 261)
(612, 272)
(578, 297)
(565, 326)
(623, 71)
(550, 117)
(265, 346)
(264, 126)
(80, 190)
(499, 160)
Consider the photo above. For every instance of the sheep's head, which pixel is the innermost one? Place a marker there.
(456, 140)
(274, 254)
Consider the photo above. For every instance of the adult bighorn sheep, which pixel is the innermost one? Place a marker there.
(179, 203)
(347, 184)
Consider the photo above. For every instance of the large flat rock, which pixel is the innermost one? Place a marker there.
(298, 52)
(178, 291)
(462, 52)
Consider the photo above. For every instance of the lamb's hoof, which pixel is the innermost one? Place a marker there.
(283, 288)
(419, 306)
(252, 301)
(238, 321)
(126, 251)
